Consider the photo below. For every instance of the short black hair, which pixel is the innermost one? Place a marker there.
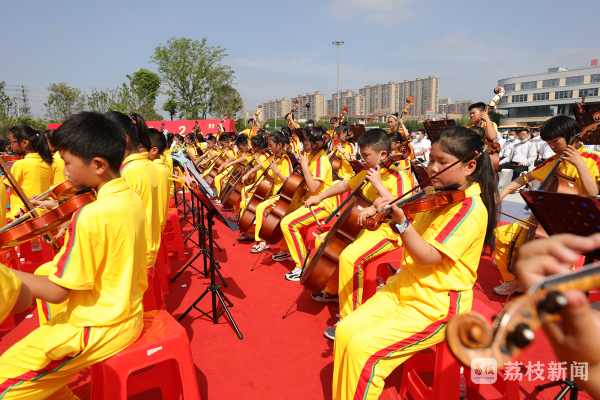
(158, 140)
(559, 126)
(523, 129)
(241, 140)
(224, 138)
(90, 134)
(259, 141)
(211, 138)
(480, 106)
(376, 139)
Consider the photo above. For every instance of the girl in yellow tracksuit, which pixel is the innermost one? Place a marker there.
(258, 143)
(316, 168)
(242, 157)
(345, 151)
(279, 168)
(442, 250)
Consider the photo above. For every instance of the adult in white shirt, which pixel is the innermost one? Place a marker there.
(421, 146)
(522, 155)
(544, 153)
(508, 144)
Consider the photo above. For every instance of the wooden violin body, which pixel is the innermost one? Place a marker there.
(26, 228)
(323, 264)
(260, 194)
(234, 174)
(291, 194)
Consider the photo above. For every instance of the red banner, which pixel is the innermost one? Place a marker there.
(183, 127)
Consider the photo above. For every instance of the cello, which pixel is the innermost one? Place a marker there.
(336, 161)
(264, 185)
(493, 147)
(234, 194)
(323, 264)
(405, 148)
(290, 195)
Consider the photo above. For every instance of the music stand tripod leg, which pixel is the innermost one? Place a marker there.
(213, 287)
(569, 386)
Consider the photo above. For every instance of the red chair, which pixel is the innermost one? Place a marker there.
(378, 266)
(153, 296)
(163, 267)
(164, 346)
(446, 372)
(172, 234)
(34, 260)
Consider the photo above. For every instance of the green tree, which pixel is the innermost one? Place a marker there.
(225, 100)
(102, 100)
(240, 124)
(145, 84)
(495, 117)
(464, 120)
(413, 125)
(271, 122)
(63, 101)
(193, 72)
(170, 106)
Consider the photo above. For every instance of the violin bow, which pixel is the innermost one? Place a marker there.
(30, 208)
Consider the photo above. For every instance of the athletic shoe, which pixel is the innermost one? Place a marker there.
(282, 256)
(330, 332)
(508, 288)
(325, 297)
(294, 276)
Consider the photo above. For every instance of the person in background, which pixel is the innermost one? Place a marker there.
(521, 156)
(477, 114)
(508, 144)
(58, 165)
(421, 145)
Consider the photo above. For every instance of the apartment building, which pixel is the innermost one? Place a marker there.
(318, 106)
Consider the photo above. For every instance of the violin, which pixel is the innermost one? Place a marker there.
(9, 158)
(323, 264)
(60, 191)
(431, 202)
(290, 195)
(494, 147)
(469, 335)
(426, 200)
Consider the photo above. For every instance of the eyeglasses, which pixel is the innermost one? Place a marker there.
(15, 141)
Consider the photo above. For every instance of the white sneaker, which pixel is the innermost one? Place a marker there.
(508, 288)
(294, 275)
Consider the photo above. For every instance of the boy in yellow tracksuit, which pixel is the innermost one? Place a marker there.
(317, 172)
(226, 152)
(442, 250)
(387, 183)
(155, 154)
(101, 270)
(578, 163)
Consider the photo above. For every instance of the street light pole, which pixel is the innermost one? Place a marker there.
(338, 43)
(275, 114)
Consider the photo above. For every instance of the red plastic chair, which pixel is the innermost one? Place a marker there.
(172, 234)
(153, 296)
(34, 260)
(164, 346)
(378, 266)
(163, 266)
(446, 372)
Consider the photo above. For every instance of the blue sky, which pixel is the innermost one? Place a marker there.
(282, 49)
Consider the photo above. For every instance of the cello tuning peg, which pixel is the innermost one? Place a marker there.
(553, 303)
(521, 336)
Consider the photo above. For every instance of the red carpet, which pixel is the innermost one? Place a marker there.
(278, 358)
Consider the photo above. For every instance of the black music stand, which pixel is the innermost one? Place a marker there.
(434, 127)
(357, 130)
(213, 288)
(565, 213)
